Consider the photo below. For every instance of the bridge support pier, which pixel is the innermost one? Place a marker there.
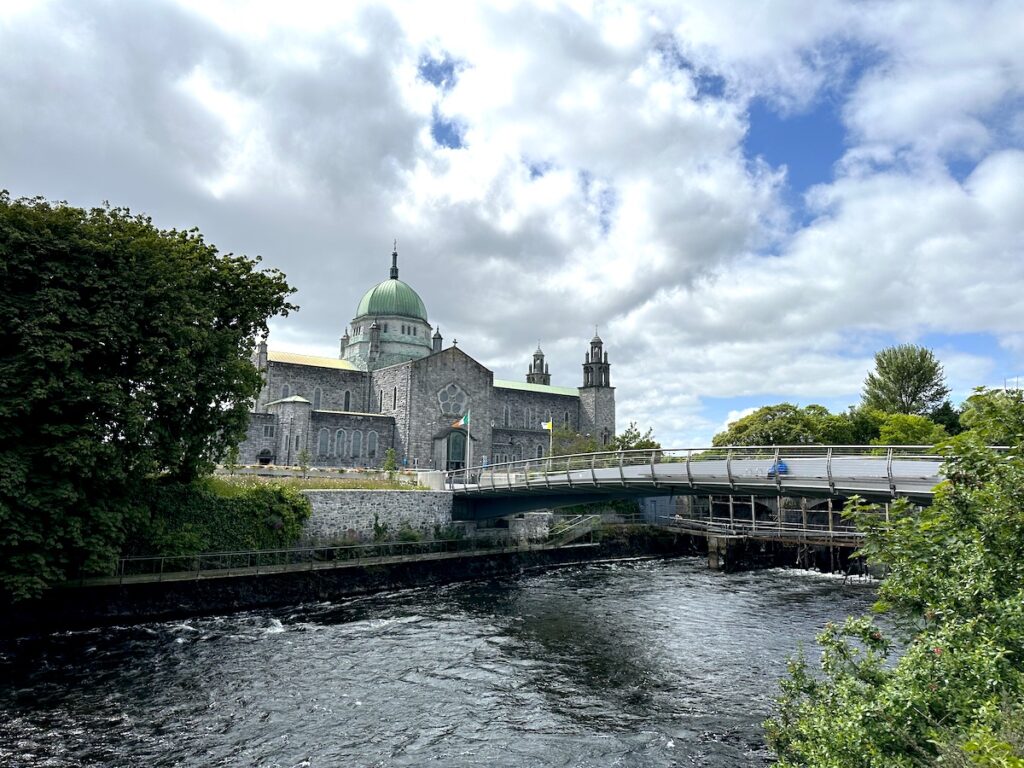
(720, 552)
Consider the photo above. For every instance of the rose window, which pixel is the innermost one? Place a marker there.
(453, 400)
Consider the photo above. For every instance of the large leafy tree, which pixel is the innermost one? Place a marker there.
(126, 355)
(907, 379)
(787, 424)
(908, 429)
(941, 682)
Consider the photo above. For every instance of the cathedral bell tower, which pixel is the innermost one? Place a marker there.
(538, 372)
(597, 395)
(596, 370)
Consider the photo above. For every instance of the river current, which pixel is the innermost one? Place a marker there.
(643, 663)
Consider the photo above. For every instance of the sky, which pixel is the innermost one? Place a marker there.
(748, 200)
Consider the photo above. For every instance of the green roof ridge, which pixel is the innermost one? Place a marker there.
(528, 387)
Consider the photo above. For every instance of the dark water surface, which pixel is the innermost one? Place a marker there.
(654, 663)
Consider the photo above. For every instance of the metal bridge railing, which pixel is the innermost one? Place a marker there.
(831, 469)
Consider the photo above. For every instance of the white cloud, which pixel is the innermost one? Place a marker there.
(304, 134)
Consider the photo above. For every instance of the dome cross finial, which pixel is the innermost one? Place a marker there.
(394, 261)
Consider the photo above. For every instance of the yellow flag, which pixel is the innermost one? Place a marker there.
(549, 425)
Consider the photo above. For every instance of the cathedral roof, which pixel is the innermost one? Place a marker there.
(526, 386)
(294, 358)
(392, 297)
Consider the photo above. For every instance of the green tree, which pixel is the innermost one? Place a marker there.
(631, 439)
(231, 459)
(865, 424)
(947, 417)
(304, 458)
(787, 424)
(947, 680)
(906, 379)
(126, 355)
(565, 442)
(995, 416)
(390, 461)
(908, 429)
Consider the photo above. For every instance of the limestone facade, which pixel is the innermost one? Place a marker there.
(395, 386)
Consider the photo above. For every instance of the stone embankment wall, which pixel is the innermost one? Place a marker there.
(350, 515)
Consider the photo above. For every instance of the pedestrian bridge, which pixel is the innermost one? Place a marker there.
(876, 473)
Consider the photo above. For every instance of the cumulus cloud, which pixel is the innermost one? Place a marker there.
(547, 167)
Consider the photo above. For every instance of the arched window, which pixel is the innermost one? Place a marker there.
(348, 401)
(339, 443)
(394, 399)
(540, 451)
(565, 419)
(415, 331)
(297, 434)
(286, 391)
(317, 397)
(526, 418)
(371, 445)
(323, 442)
(506, 417)
(357, 445)
(380, 402)
(548, 417)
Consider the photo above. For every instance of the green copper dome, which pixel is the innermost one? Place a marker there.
(392, 297)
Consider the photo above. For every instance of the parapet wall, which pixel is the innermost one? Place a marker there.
(350, 515)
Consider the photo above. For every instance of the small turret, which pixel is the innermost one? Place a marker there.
(262, 354)
(436, 341)
(596, 369)
(374, 340)
(538, 371)
(343, 344)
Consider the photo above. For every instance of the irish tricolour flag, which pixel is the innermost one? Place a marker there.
(463, 422)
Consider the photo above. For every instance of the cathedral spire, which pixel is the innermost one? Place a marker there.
(394, 262)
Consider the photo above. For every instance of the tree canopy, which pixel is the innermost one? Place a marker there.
(567, 442)
(908, 429)
(996, 416)
(906, 379)
(942, 681)
(787, 424)
(126, 355)
(632, 439)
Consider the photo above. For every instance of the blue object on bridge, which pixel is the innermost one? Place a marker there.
(778, 467)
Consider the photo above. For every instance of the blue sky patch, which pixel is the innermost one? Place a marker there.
(447, 132)
(538, 168)
(605, 198)
(808, 144)
(442, 73)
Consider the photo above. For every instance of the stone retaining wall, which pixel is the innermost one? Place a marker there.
(350, 514)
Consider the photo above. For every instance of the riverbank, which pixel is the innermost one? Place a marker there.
(77, 607)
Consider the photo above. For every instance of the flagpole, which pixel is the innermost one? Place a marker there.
(469, 446)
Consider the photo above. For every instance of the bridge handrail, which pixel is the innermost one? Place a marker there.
(540, 468)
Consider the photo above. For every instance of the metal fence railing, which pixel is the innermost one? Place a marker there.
(770, 470)
(254, 562)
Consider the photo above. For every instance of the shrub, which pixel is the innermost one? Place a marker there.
(211, 515)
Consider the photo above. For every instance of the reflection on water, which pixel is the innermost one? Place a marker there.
(655, 663)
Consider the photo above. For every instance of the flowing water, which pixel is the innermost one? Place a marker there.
(646, 663)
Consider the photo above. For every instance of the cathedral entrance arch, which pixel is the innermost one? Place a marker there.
(450, 449)
(456, 449)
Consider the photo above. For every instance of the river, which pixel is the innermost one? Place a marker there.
(644, 663)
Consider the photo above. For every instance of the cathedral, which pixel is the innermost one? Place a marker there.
(395, 385)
